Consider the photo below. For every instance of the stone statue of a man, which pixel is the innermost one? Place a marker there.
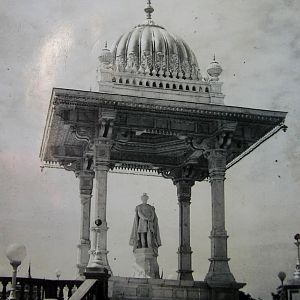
(145, 231)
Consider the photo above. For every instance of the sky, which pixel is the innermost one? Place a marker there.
(46, 44)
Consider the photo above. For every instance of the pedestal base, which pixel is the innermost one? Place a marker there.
(164, 289)
(156, 289)
(219, 273)
(146, 259)
(225, 292)
(96, 273)
(83, 257)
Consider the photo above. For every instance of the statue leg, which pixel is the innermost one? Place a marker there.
(149, 239)
(139, 243)
(143, 240)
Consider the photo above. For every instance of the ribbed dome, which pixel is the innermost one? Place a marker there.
(150, 49)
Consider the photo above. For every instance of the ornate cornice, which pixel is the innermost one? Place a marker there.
(93, 99)
(172, 134)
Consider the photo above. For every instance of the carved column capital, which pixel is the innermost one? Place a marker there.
(102, 151)
(102, 166)
(184, 190)
(216, 159)
(86, 182)
(85, 174)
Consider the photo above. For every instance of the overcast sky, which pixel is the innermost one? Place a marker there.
(55, 43)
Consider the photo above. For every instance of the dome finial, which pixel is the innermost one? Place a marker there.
(105, 45)
(149, 10)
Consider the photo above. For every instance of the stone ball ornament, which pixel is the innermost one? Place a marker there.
(297, 236)
(214, 70)
(98, 222)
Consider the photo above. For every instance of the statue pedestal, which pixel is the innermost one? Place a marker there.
(146, 258)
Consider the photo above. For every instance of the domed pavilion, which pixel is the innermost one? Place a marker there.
(154, 112)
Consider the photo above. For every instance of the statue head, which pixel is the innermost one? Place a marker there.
(144, 198)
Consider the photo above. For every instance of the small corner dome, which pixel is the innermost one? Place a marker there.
(105, 56)
(149, 48)
(214, 69)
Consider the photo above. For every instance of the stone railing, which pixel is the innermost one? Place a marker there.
(178, 84)
(39, 289)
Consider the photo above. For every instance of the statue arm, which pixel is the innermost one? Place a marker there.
(142, 216)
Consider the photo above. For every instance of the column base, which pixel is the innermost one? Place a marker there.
(83, 257)
(184, 263)
(98, 261)
(185, 275)
(81, 270)
(228, 293)
(219, 273)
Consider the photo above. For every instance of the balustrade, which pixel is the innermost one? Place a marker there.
(192, 86)
(39, 289)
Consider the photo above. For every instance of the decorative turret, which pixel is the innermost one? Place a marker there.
(105, 69)
(106, 58)
(214, 70)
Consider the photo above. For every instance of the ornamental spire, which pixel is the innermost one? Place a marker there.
(149, 10)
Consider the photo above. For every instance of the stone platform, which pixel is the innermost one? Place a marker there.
(156, 289)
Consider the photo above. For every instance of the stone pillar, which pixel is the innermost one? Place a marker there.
(219, 272)
(184, 250)
(98, 258)
(86, 188)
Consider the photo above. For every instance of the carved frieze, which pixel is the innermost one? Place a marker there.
(139, 120)
(182, 125)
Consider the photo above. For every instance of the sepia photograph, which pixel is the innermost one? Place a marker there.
(150, 149)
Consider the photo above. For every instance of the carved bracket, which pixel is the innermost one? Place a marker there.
(85, 164)
(105, 123)
(224, 134)
(187, 173)
(220, 139)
